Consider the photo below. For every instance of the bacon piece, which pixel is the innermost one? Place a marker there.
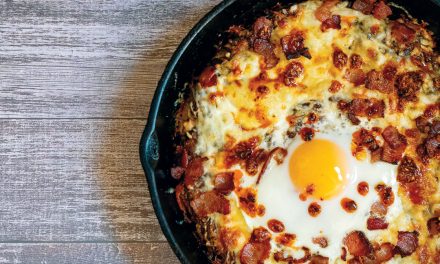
(386, 194)
(321, 241)
(394, 145)
(389, 71)
(340, 59)
(407, 171)
(434, 226)
(248, 202)
(208, 77)
(363, 188)
(358, 244)
(292, 71)
(314, 209)
(423, 124)
(323, 12)
(307, 133)
(182, 202)
(210, 202)
(318, 259)
(285, 239)
(371, 108)
(275, 225)
(376, 81)
(407, 243)
(356, 61)
(224, 182)
(407, 85)
(177, 172)
(348, 205)
(356, 76)
(193, 171)
(241, 151)
(266, 49)
(262, 28)
(402, 33)
(374, 223)
(333, 22)
(258, 247)
(335, 86)
(365, 6)
(255, 253)
(378, 209)
(384, 252)
(364, 138)
(381, 10)
(254, 161)
(293, 46)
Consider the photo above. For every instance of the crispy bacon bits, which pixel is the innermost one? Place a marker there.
(224, 182)
(376, 80)
(323, 12)
(293, 71)
(193, 171)
(348, 205)
(293, 46)
(266, 49)
(275, 225)
(254, 162)
(210, 202)
(363, 188)
(321, 241)
(365, 6)
(307, 133)
(260, 39)
(208, 77)
(358, 244)
(402, 33)
(258, 247)
(386, 194)
(248, 202)
(407, 86)
(340, 59)
(374, 223)
(394, 145)
(285, 239)
(355, 76)
(362, 107)
(366, 139)
(434, 226)
(407, 243)
(314, 209)
(407, 171)
(384, 252)
(356, 61)
(381, 10)
(241, 151)
(335, 87)
(334, 22)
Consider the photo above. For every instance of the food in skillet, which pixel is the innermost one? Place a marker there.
(316, 139)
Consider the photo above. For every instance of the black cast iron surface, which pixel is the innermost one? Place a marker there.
(193, 54)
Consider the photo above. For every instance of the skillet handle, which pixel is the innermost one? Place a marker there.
(149, 149)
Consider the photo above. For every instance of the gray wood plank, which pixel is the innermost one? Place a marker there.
(145, 253)
(87, 59)
(73, 180)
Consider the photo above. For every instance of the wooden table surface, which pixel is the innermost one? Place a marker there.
(76, 81)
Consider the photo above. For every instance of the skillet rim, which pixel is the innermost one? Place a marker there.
(148, 133)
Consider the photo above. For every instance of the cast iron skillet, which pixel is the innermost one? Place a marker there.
(193, 54)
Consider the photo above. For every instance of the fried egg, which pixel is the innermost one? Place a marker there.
(327, 166)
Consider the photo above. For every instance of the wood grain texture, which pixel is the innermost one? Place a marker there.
(76, 81)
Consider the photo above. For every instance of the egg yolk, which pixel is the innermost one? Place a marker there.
(318, 168)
